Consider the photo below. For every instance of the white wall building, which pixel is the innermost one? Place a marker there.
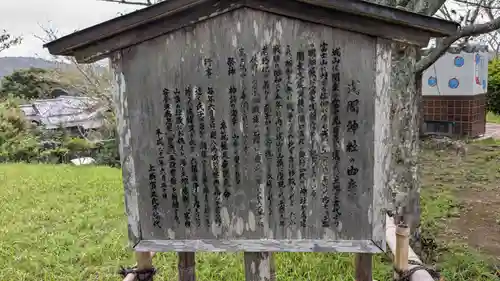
(459, 72)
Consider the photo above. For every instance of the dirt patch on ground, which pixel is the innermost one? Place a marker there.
(479, 221)
(467, 191)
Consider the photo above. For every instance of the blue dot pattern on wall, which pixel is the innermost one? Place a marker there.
(478, 58)
(459, 61)
(432, 81)
(453, 83)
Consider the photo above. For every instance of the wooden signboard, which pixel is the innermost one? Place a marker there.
(259, 136)
(250, 125)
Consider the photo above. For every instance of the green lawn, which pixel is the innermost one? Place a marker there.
(492, 118)
(68, 223)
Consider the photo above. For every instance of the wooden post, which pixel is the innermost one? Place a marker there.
(402, 245)
(129, 277)
(363, 267)
(259, 266)
(144, 261)
(390, 234)
(187, 266)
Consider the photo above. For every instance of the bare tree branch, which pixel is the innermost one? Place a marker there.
(480, 5)
(403, 3)
(426, 7)
(88, 79)
(470, 30)
(470, 18)
(446, 13)
(492, 38)
(474, 13)
(7, 41)
(147, 3)
(489, 13)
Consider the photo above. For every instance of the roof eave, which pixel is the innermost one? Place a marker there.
(437, 26)
(76, 44)
(67, 44)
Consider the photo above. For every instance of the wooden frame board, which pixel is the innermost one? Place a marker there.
(146, 73)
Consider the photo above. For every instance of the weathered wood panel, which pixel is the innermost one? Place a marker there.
(252, 126)
(382, 139)
(120, 102)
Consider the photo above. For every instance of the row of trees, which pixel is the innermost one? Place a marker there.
(20, 140)
(28, 84)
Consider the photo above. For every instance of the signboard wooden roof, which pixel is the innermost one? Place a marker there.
(253, 125)
(98, 41)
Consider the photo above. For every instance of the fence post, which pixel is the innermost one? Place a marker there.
(187, 266)
(363, 267)
(402, 249)
(259, 266)
(144, 261)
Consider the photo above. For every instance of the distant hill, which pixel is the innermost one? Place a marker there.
(11, 64)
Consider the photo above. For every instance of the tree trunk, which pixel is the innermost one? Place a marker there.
(405, 118)
(418, 81)
(407, 121)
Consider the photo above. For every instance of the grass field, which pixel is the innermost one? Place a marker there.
(492, 118)
(67, 223)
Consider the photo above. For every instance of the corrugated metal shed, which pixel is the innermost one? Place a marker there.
(66, 111)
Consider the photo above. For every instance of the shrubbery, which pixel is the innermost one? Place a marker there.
(17, 143)
(20, 141)
(32, 83)
(493, 95)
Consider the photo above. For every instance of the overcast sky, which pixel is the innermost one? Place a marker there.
(24, 17)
